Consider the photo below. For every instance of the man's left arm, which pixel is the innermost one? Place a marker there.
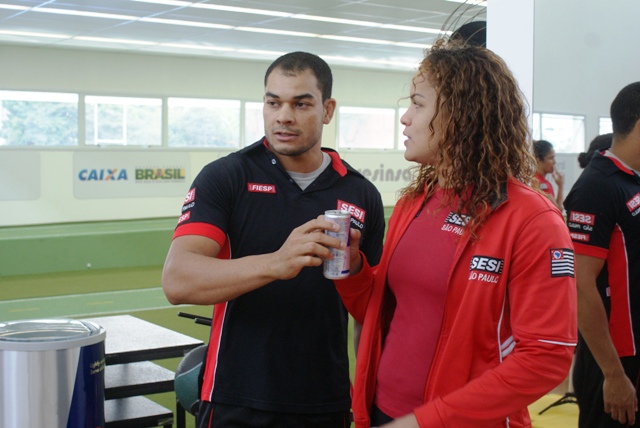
(619, 393)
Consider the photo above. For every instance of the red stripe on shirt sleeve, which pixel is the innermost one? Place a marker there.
(202, 229)
(620, 323)
(219, 312)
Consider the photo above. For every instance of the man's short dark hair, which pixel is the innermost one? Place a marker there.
(625, 109)
(297, 62)
(472, 33)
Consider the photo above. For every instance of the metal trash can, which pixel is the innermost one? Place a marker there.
(51, 374)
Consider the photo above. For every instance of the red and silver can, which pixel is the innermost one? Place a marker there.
(338, 267)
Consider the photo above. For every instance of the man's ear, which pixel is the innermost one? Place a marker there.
(329, 109)
(636, 128)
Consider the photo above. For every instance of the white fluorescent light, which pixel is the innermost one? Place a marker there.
(168, 2)
(356, 39)
(259, 52)
(357, 60)
(198, 47)
(109, 40)
(240, 10)
(294, 16)
(412, 45)
(368, 24)
(31, 34)
(217, 7)
(335, 20)
(186, 23)
(272, 31)
(82, 13)
(344, 58)
(482, 3)
(13, 7)
(415, 29)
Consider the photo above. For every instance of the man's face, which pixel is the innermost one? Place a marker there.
(294, 112)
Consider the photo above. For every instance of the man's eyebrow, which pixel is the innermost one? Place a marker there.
(296, 97)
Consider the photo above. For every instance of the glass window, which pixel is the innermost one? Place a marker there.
(366, 128)
(253, 122)
(535, 124)
(605, 126)
(203, 123)
(565, 132)
(123, 121)
(38, 119)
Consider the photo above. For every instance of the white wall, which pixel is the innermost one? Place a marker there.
(585, 52)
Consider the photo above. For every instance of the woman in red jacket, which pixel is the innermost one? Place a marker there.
(470, 315)
(546, 158)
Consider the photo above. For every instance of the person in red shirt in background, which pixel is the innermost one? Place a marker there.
(546, 157)
(470, 314)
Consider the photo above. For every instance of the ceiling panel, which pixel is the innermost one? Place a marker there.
(93, 18)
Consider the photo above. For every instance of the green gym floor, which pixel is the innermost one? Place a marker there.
(137, 291)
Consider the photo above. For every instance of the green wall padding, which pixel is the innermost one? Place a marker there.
(69, 247)
(31, 250)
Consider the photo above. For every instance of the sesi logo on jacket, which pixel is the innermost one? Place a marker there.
(486, 269)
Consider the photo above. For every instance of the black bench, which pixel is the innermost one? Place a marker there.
(136, 412)
(131, 340)
(141, 378)
(133, 380)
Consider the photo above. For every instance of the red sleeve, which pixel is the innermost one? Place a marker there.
(355, 290)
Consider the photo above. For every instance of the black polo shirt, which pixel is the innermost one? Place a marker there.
(282, 347)
(603, 215)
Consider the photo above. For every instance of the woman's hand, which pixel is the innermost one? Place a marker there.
(558, 177)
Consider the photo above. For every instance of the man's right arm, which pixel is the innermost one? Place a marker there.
(619, 393)
(193, 274)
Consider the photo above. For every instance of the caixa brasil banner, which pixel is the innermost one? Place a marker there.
(127, 174)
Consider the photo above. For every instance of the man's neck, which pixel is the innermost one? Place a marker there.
(627, 149)
(304, 163)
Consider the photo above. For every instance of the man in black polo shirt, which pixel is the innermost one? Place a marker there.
(249, 242)
(603, 215)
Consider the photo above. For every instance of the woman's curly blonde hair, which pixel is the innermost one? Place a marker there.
(485, 138)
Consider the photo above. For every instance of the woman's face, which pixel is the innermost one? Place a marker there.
(548, 163)
(421, 144)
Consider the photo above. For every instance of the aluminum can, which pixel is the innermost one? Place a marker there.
(338, 267)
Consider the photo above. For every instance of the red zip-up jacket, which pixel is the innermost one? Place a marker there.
(509, 326)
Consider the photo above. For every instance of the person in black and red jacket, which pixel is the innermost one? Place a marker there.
(250, 242)
(603, 215)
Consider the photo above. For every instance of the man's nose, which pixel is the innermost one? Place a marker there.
(285, 114)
